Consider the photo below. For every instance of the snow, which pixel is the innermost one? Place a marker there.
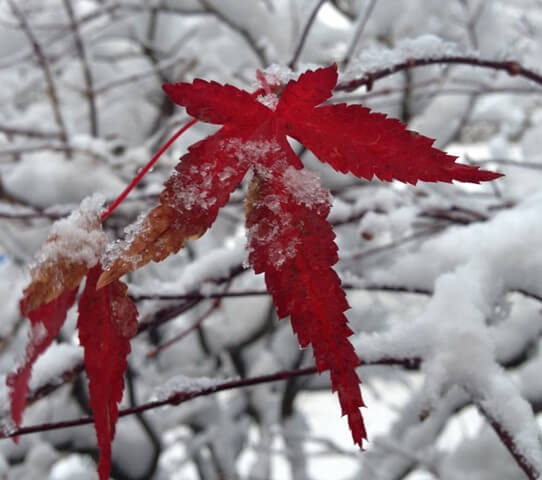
(183, 384)
(275, 75)
(48, 178)
(298, 188)
(499, 244)
(463, 352)
(379, 58)
(476, 328)
(250, 152)
(73, 466)
(113, 250)
(270, 100)
(77, 238)
(193, 194)
(50, 366)
(130, 437)
(305, 187)
(214, 265)
(11, 279)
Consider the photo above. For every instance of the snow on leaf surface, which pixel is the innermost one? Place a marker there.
(292, 243)
(107, 321)
(201, 184)
(74, 245)
(46, 321)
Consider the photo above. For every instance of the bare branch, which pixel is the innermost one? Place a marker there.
(305, 32)
(119, 82)
(360, 26)
(177, 398)
(510, 66)
(27, 132)
(44, 64)
(252, 42)
(51, 147)
(87, 73)
(509, 442)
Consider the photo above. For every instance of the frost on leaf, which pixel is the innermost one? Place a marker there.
(46, 321)
(107, 321)
(74, 245)
(292, 243)
(200, 185)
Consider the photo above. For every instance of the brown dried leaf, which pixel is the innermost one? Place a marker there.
(201, 184)
(74, 245)
(158, 237)
(49, 280)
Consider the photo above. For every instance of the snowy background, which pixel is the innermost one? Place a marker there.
(445, 281)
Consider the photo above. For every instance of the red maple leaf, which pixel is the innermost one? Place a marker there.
(46, 322)
(289, 238)
(107, 321)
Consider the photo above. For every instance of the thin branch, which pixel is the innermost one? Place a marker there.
(51, 147)
(512, 67)
(119, 82)
(257, 293)
(472, 22)
(509, 442)
(22, 56)
(177, 398)
(163, 7)
(44, 64)
(362, 22)
(154, 438)
(511, 163)
(249, 39)
(29, 132)
(482, 90)
(396, 243)
(87, 73)
(111, 208)
(305, 32)
(177, 338)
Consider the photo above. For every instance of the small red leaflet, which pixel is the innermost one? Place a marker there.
(107, 322)
(46, 321)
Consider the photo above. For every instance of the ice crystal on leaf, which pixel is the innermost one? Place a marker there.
(74, 245)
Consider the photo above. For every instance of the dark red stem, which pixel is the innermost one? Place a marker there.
(511, 66)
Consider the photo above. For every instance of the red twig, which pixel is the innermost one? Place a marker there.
(508, 441)
(184, 333)
(87, 73)
(145, 169)
(512, 67)
(176, 398)
(44, 64)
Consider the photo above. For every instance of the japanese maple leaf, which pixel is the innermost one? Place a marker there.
(289, 239)
(46, 322)
(107, 319)
(107, 322)
(72, 247)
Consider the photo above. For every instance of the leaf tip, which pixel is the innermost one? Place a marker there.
(107, 277)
